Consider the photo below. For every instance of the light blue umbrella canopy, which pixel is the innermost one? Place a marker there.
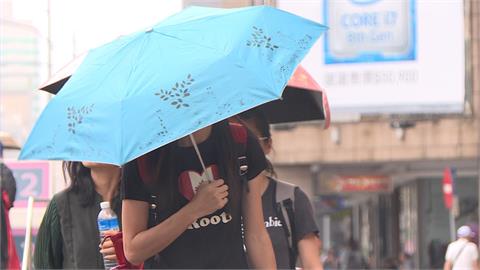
(142, 91)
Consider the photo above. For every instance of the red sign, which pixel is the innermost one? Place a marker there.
(362, 183)
(447, 187)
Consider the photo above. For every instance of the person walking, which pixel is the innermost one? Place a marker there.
(68, 236)
(8, 190)
(288, 212)
(462, 254)
(183, 212)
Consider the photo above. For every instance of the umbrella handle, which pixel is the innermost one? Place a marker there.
(199, 155)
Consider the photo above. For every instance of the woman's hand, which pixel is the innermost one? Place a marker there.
(108, 251)
(209, 198)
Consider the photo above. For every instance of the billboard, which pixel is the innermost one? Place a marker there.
(388, 56)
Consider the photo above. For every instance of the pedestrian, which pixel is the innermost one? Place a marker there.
(352, 257)
(462, 253)
(331, 260)
(197, 215)
(8, 188)
(290, 221)
(68, 236)
(406, 261)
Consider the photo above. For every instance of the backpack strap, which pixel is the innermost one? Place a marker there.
(239, 134)
(285, 199)
(147, 178)
(459, 253)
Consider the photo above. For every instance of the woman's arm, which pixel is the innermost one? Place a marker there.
(447, 265)
(309, 252)
(141, 243)
(259, 246)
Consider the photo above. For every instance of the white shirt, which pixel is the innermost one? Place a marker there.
(462, 259)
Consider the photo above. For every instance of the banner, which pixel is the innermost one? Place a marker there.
(356, 184)
(387, 56)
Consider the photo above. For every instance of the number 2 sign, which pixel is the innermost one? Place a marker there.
(32, 180)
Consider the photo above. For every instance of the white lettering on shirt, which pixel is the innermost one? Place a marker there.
(273, 222)
(213, 220)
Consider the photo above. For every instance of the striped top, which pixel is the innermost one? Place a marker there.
(49, 243)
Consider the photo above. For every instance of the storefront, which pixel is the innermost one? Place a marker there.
(395, 216)
(358, 210)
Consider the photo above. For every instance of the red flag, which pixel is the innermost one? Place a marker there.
(447, 187)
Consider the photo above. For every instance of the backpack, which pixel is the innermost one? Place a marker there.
(285, 205)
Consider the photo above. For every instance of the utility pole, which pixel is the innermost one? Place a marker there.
(49, 38)
(473, 11)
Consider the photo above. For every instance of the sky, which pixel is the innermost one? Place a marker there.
(78, 25)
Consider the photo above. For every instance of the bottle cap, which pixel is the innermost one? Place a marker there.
(105, 205)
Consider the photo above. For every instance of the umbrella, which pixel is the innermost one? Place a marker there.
(302, 101)
(144, 90)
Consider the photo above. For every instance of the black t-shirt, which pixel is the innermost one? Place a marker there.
(214, 241)
(304, 222)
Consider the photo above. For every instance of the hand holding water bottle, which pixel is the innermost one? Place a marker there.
(108, 251)
(107, 225)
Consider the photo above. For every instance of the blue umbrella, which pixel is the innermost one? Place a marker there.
(142, 91)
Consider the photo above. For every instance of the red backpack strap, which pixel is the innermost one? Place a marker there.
(143, 169)
(239, 133)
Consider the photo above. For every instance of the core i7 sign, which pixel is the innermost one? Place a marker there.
(388, 56)
(369, 31)
(32, 179)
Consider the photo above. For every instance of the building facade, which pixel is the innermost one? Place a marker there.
(392, 204)
(405, 213)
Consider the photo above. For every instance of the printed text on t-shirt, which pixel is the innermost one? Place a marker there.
(273, 222)
(223, 218)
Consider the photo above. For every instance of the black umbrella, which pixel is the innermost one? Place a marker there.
(302, 101)
(56, 82)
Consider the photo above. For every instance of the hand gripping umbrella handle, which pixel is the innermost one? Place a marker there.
(199, 155)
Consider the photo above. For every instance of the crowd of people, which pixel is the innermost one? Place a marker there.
(226, 210)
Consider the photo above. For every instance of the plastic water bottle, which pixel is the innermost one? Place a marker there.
(107, 225)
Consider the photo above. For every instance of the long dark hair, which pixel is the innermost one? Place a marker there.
(259, 120)
(165, 183)
(81, 181)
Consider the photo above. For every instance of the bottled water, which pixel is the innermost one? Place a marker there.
(107, 225)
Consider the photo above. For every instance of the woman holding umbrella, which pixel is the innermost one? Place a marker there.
(150, 89)
(198, 221)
